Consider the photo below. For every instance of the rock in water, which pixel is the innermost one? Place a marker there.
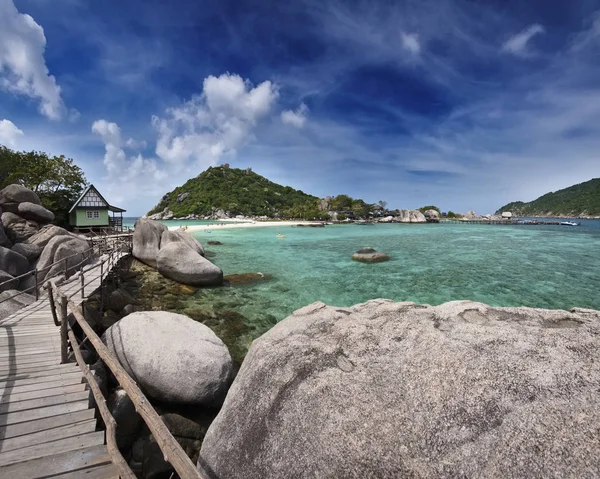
(146, 240)
(34, 212)
(172, 357)
(389, 389)
(177, 261)
(179, 236)
(369, 255)
(18, 194)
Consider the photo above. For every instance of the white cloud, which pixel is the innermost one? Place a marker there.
(215, 123)
(517, 44)
(9, 133)
(295, 118)
(23, 69)
(410, 42)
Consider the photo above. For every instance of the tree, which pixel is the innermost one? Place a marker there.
(382, 203)
(56, 180)
(425, 208)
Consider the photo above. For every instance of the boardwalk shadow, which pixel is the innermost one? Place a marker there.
(8, 385)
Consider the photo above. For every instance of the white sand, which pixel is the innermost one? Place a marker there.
(254, 224)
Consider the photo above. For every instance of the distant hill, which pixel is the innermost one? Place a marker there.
(234, 190)
(575, 201)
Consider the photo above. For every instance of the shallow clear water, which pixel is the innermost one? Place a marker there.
(538, 266)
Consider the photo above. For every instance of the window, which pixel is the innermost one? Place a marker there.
(92, 215)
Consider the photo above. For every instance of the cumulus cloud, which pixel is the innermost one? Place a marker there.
(295, 118)
(9, 133)
(23, 70)
(136, 170)
(517, 44)
(410, 42)
(215, 123)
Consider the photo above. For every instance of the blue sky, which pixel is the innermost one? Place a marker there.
(463, 104)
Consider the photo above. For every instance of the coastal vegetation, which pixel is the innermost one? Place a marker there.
(244, 192)
(582, 199)
(56, 180)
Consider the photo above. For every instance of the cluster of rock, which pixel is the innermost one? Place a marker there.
(176, 255)
(405, 390)
(29, 243)
(216, 214)
(405, 216)
(184, 380)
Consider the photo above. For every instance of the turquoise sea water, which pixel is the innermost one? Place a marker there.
(537, 266)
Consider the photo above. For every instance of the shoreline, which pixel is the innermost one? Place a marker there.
(243, 224)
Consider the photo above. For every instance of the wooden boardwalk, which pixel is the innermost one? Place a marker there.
(47, 424)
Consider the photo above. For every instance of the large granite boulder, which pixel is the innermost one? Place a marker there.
(179, 262)
(17, 194)
(13, 263)
(387, 389)
(30, 251)
(173, 358)
(370, 255)
(410, 216)
(7, 281)
(12, 301)
(432, 214)
(70, 256)
(4, 241)
(46, 233)
(146, 240)
(31, 211)
(18, 229)
(46, 259)
(180, 236)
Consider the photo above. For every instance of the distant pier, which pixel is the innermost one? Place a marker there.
(511, 222)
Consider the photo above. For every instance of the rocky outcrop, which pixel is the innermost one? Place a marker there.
(165, 214)
(30, 251)
(31, 211)
(12, 300)
(12, 195)
(146, 240)
(173, 358)
(18, 229)
(410, 216)
(176, 254)
(46, 233)
(179, 236)
(369, 255)
(13, 263)
(7, 281)
(387, 389)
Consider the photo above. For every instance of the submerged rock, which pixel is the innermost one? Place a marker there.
(369, 255)
(387, 389)
(245, 278)
(172, 357)
(179, 262)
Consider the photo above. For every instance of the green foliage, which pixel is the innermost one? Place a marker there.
(341, 216)
(239, 192)
(425, 208)
(452, 214)
(56, 180)
(578, 200)
(341, 202)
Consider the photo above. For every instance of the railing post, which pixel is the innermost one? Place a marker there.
(50, 288)
(64, 326)
(37, 293)
(82, 282)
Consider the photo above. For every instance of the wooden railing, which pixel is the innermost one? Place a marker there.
(171, 449)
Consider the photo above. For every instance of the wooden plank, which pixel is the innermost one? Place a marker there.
(57, 464)
(32, 414)
(49, 349)
(33, 368)
(45, 424)
(21, 387)
(60, 432)
(51, 448)
(105, 471)
(52, 391)
(66, 369)
(39, 360)
(42, 402)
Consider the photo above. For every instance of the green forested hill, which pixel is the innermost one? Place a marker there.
(234, 190)
(578, 200)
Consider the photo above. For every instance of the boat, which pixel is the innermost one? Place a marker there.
(280, 236)
(568, 223)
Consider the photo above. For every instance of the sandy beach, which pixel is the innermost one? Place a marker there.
(242, 224)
